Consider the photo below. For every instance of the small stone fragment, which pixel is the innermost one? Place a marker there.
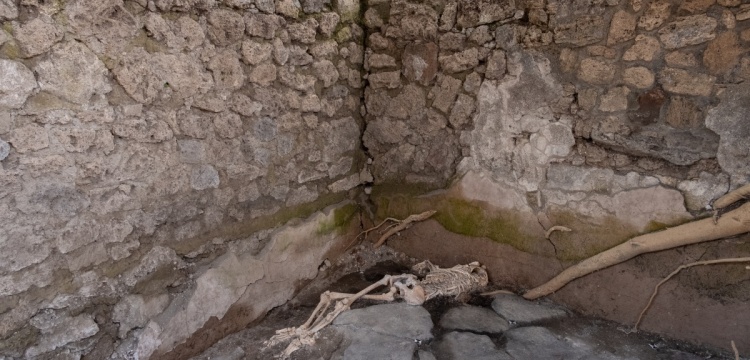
(568, 59)
(227, 70)
(326, 72)
(254, 52)
(689, 30)
(73, 72)
(303, 32)
(461, 61)
(63, 332)
(472, 83)
(204, 177)
(380, 61)
(722, 53)
(407, 321)
(372, 19)
(536, 342)
(314, 6)
(475, 319)
(683, 113)
(225, 27)
(390, 80)
(595, 71)
(464, 345)
(587, 98)
(191, 151)
(228, 125)
(481, 35)
(496, 65)
(347, 9)
(519, 310)
(37, 36)
(4, 150)
(445, 93)
(701, 191)
(17, 84)
(328, 22)
(8, 10)
(645, 48)
(448, 17)
(685, 82)
(616, 99)
(298, 56)
(657, 13)
(420, 62)
(638, 76)
(378, 42)
(264, 75)
(280, 52)
(622, 27)
(584, 30)
(691, 7)
(452, 41)
(730, 3)
(743, 13)
(728, 19)
(603, 51)
(462, 110)
(288, 8)
(680, 59)
(29, 138)
(262, 25)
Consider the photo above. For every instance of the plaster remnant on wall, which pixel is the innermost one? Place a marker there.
(17, 85)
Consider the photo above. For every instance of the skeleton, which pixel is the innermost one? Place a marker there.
(458, 280)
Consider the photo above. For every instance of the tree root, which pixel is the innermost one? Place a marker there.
(402, 224)
(732, 197)
(673, 273)
(721, 204)
(733, 223)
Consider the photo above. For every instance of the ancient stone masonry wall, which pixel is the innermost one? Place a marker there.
(634, 80)
(150, 152)
(536, 94)
(610, 117)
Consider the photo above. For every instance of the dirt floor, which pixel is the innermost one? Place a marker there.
(362, 266)
(705, 305)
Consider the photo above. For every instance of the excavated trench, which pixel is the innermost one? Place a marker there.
(459, 328)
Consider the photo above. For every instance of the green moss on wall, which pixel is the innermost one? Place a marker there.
(460, 216)
(587, 239)
(20, 339)
(246, 228)
(11, 50)
(476, 219)
(342, 217)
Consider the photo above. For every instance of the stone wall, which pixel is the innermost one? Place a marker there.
(156, 156)
(152, 155)
(612, 118)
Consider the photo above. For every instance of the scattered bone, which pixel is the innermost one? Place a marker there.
(556, 228)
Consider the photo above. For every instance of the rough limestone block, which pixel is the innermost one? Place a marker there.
(520, 311)
(18, 83)
(475, 319)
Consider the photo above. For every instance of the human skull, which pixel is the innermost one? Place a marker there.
(411, 291)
